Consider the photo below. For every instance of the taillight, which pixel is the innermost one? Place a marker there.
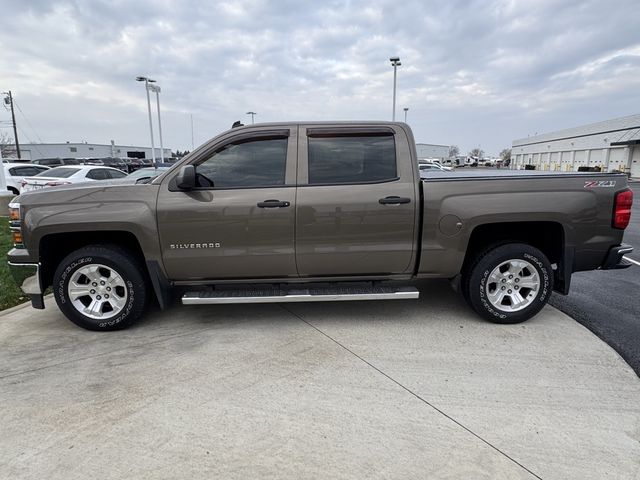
(622, 209)
(55, 184)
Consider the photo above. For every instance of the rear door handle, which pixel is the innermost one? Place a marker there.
(394, 200)
(273, 204)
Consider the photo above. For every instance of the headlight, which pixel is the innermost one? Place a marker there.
(15, 224)
(14, 212)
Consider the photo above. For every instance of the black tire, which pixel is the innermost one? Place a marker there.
(478, 286)
(131, 290)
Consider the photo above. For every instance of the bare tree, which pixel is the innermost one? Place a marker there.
(7, 145)
(476, 152)
(505, 155)
(454, 151)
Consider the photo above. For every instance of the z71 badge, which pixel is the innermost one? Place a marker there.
(599, 183)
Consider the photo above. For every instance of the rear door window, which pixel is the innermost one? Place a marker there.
(98, 174)
(351, 159)
(116, 174)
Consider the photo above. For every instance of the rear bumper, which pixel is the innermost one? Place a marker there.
(614, 258)
(27, 277)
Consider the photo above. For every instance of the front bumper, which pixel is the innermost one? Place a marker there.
(614, 258)
(27, 277)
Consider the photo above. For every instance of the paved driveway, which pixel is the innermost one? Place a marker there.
(398, 389)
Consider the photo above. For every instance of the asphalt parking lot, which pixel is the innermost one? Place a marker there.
(404, 389)
(606, 302)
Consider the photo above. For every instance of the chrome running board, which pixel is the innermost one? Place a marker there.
(299, 295)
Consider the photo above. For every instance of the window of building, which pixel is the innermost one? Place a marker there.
(359, 158)
(253, 163)
(73, 149)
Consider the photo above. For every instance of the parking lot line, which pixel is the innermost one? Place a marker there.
(632, 260)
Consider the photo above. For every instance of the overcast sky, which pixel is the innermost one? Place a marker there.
(473, 72)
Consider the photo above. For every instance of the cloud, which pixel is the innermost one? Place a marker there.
(473, 72)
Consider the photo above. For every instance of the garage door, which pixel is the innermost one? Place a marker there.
(596, 159)
(566, 161)
(555, 161)
(536, 160)
(617, 159)
(635, 162)
(581, 159)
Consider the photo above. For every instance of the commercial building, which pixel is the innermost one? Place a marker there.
(35, 151)
(612, 145)
(427, 150)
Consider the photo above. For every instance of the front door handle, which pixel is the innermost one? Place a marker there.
(394, 200)
(273, 204)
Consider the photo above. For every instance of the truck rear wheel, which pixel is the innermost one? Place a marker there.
(100, 287)
(509, 283)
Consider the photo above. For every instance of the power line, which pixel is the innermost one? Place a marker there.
(28, 122)
(33, 144)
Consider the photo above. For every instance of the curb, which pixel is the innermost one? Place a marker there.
(27, 303)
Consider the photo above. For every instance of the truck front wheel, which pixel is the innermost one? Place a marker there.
(100, 287)
(509, 283)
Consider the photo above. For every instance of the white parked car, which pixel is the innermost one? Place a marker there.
(14, 173)
(68, 175)
(431, 165)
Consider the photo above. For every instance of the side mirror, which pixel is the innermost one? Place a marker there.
(186, 179)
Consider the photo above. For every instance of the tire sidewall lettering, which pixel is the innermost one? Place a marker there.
(65, 278)
(482, 279)
(483, 297)
(72, 267)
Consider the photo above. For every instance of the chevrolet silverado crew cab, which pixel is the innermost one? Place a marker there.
(314, 212)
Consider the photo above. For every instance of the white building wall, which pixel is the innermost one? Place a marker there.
(35, 151)
(427, 150)
(589, 145)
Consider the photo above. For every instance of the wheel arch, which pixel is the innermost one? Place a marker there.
(547, 236)
(54, 247)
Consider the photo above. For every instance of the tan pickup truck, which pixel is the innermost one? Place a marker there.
(293, 212)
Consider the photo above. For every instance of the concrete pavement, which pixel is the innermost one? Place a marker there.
(404, 389)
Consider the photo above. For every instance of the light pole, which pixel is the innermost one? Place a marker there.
(252, 114)
(406, 109)
(146, 87)
(156, 88)
(395, 62)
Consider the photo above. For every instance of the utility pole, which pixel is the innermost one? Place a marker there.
(15, 128)
(252, 115)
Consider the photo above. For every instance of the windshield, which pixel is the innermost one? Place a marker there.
(59, 172)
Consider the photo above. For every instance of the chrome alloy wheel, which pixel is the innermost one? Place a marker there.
(97, 291)
(513, 285)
